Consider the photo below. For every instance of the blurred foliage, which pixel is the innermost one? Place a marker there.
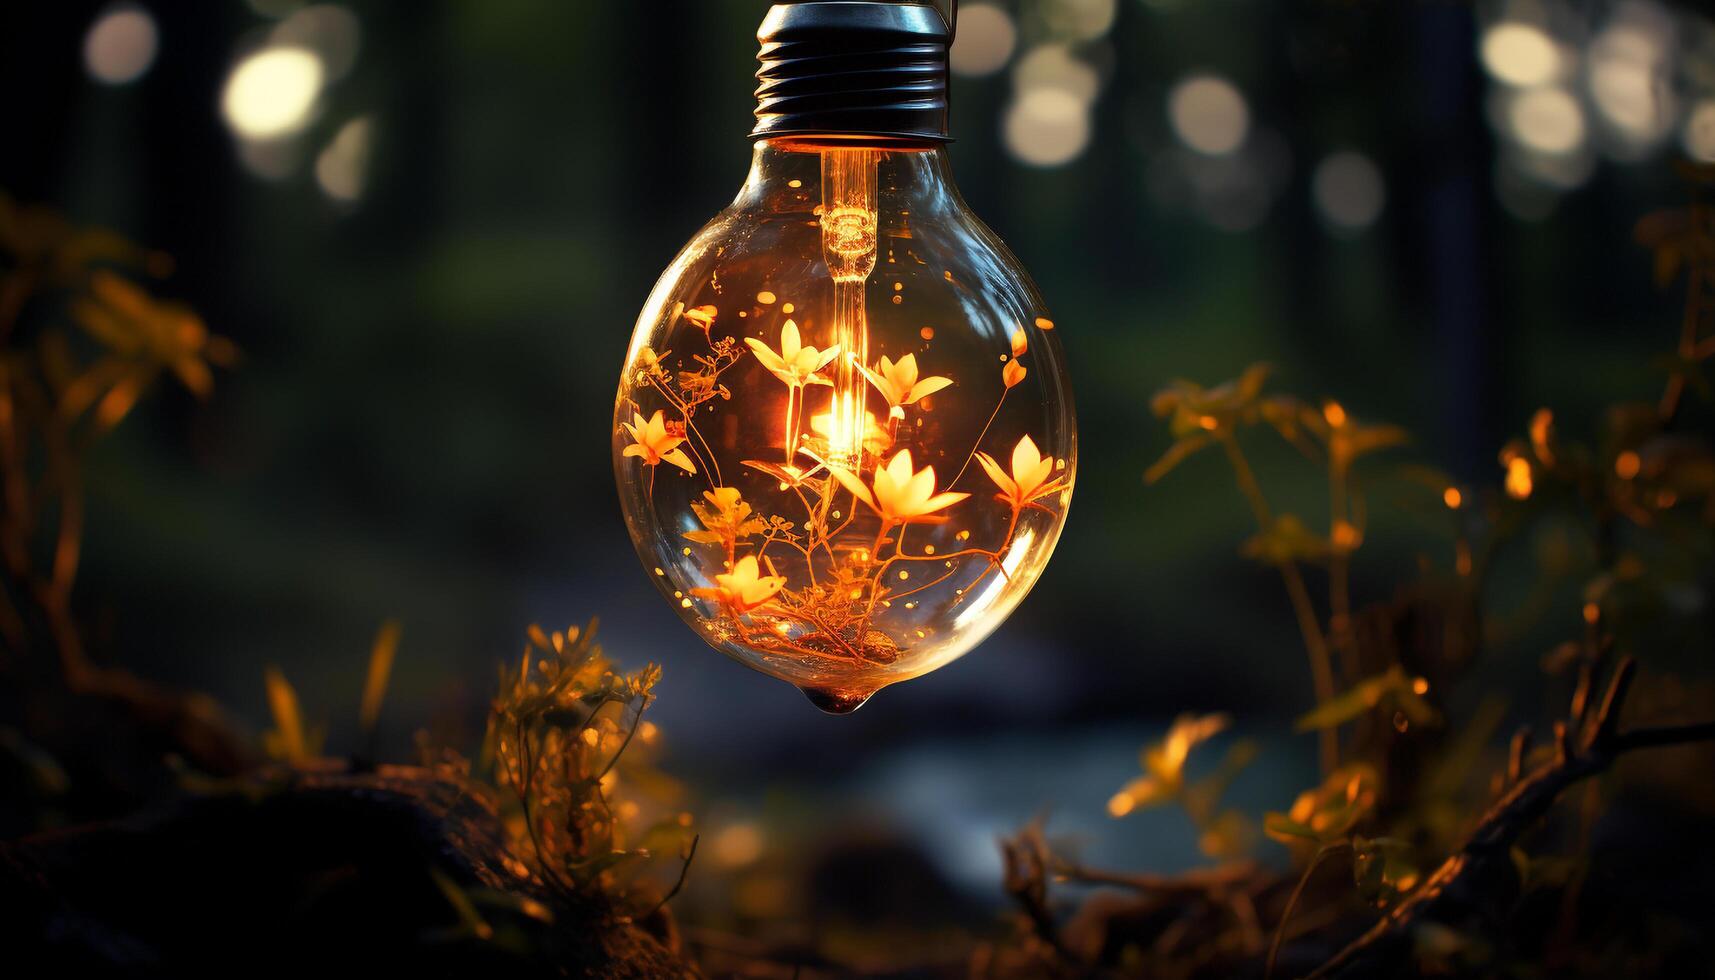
(1402, 719)
(1221, 832)
(81, 339)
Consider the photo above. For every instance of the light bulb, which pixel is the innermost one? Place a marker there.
(844, 437)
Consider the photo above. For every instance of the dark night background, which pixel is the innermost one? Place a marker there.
(419, 426)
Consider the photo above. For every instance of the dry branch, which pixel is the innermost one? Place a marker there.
(1459, 891)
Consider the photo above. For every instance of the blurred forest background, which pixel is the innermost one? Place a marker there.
(428, 229)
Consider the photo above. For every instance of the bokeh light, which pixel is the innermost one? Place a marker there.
(332, 32)
(343, 164)
(271, 93)
(1079, 20)
(120, 45)
(1208, 114)
(1698, 136)
(985, 42)
(1055, 66)
(1349, 191)
(1520, 54)
(1548, 120)
(1629, 80)
(1047, 127)
(271, 159)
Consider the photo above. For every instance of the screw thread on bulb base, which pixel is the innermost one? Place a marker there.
(853, 68)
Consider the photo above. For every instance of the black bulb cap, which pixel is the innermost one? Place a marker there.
(853, 69)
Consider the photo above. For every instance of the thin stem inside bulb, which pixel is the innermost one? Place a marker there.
(848, 248)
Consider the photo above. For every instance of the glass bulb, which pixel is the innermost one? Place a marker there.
(844, 436)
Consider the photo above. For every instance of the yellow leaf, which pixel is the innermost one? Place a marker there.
(288, 720)
(118, 401)
(1175, 454)
(380, 669)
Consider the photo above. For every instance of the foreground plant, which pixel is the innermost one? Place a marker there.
(587, 823)
(1393, 807)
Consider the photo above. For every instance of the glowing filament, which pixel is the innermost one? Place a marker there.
(848, 248)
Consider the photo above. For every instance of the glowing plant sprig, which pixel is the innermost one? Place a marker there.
(558, 734)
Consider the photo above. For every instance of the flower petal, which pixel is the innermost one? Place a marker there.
(882, 383)
(999, 477)
(921, 487)
(1025, 456)
(678, 458)
(899, 468)
(826, 356)
(1048, 489)
(1030, 481)
(928, 386)
(850, 481)
(769, 359)
(940, 501)
(905, 372)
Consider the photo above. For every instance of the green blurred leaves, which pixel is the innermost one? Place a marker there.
(1392, 689)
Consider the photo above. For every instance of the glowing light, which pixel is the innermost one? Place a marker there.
(1120, 805)
(1518, 481)
(738, 845)
(1334, 414)
(1047, 127)
(986, 39)
(1346, 536)
(1699, 134)
(1592, 612)
(1628, 76)
(1547, 120)
(120, 45)
(1349, 191)
(1053, 66)
(332, 32)
(1452, 498)
(1520, 54)
(270, 93)
(1542, 435)
(1208, 114)
(1627, 465)
(342, 166)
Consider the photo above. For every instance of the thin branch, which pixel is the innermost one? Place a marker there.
(1315, 644)
(684, 869)
(1455, 888)
(1292, 902)
(1216, 881)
